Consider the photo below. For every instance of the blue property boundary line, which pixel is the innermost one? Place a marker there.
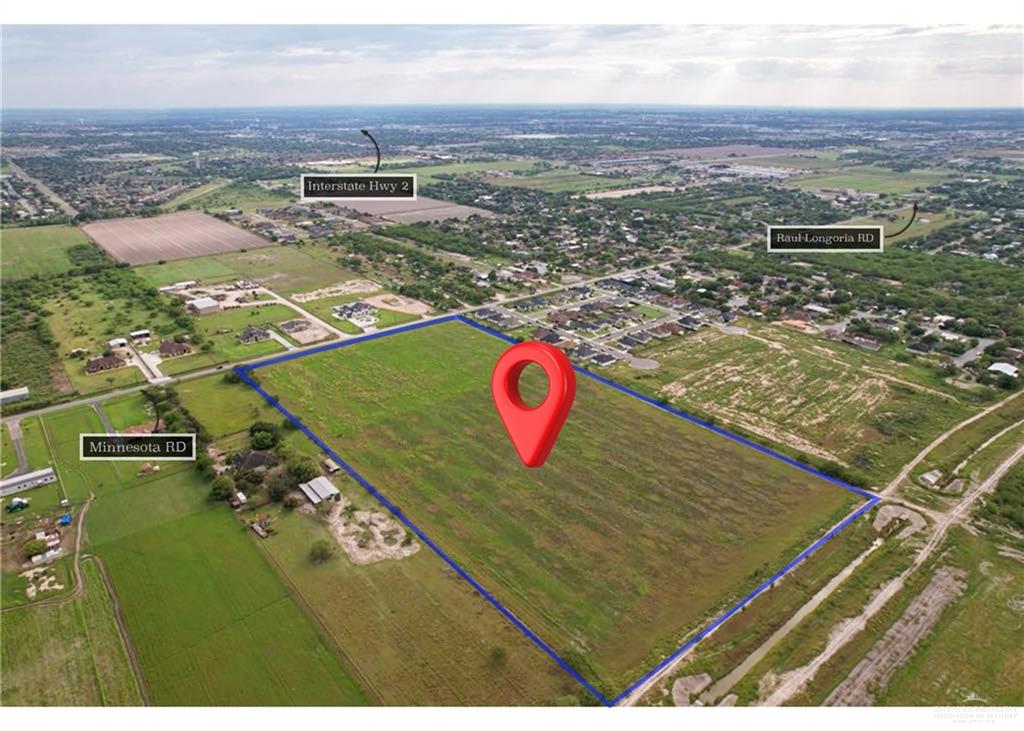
(244, 371)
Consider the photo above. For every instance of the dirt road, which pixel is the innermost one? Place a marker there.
(76, 570)
(909, 467)
(724, 685)
(794, 681)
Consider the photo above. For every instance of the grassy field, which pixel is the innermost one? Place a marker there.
(416, 633)
(224, 408)
(38, 250)
(870, 179)
(8, 459)
(223, 329)
(809, 637)
(206, 269)
(924, 224)
(817, 160)
(964, 442)
(733, 642)
(128, 410)
(630, 537)
(243, 196)
(286, 269)
(211, 621)
(560, 180)
(427, 173)
(191, 195)
(84, 318)
(67, 655)
(826, 399)
(969, 658)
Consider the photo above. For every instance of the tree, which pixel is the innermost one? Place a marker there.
(33, 546)
(320, 551)
(279, 484)
(262, 440)
(303, 469)
(223, 488)
(264, 435)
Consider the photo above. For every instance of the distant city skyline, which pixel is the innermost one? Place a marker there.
(162, 67)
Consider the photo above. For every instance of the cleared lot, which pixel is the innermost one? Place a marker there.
(173, 236)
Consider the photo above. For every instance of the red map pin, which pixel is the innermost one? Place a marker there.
(533, 430)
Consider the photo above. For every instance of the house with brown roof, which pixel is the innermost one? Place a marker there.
(105, 363)
(172, 349)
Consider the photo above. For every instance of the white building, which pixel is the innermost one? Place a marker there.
(1005, 368)
(13, 394)
(203, 305)
(27, 481)
(319, 489)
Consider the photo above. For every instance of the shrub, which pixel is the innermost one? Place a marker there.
(320, 551)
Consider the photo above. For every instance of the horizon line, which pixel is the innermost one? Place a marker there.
(427, 105)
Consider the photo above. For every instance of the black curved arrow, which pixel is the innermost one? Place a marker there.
(913, 215)
(377, 147)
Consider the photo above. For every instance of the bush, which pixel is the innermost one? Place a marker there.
(33, 546)
(320, 552)
(303, 469)
(223, 488)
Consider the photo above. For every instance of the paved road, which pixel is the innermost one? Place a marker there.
(44, 189)
(14, 430)
(227, 366)
(104, 419)
(966, 357)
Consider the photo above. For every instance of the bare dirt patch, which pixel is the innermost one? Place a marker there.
(367, 536)
(41, 580)
(398, 303)
(625, 192)
(888, 513)
(686, 687)
(872, 674)
(304, 331)
(353, 286)
(180, 235)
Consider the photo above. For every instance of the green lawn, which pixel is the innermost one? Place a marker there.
(561, 180)
(129, 410)
(205, 269)
(37, 250)
(870, 179)
(287, 269)
(211, 621)
(639, 528)
(213, 624)
(224, 408)
(67, 655)
(244, 196)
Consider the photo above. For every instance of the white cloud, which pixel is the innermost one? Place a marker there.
(164, 66)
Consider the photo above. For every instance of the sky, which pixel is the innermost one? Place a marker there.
(219, 66)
